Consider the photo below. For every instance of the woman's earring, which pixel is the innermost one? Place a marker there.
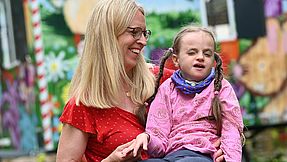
(176, 64)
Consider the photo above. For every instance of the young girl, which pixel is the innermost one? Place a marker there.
(193, 108)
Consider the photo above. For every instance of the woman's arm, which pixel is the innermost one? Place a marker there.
(72, 144)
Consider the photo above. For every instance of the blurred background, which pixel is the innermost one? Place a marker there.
(41, 40)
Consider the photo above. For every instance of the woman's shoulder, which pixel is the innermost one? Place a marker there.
(166, 72)
(72, 105)
(79, 116)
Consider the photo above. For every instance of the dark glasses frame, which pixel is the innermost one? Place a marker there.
(137, 32)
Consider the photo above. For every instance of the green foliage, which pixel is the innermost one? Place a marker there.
(164, 26)
(57, 24)
(244, 44)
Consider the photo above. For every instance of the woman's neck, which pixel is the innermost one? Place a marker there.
(125, 101)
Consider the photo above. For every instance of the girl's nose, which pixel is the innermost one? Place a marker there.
(200, 55)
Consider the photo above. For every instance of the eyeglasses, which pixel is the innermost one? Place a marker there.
(137, 33)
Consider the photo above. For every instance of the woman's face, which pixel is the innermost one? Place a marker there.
(132, 47)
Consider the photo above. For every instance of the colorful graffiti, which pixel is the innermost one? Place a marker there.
(262, 77)
(10, 114)
(21, 119)
(18, 115)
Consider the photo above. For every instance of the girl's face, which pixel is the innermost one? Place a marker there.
(196, 55)
(132, 47)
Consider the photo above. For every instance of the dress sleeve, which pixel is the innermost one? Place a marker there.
(80, 117)
(159, 123)
(232, 124)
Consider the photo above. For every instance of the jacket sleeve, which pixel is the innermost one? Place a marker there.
(232, 124)
(159, 123)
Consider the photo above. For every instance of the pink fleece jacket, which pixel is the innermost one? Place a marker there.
(176, 121)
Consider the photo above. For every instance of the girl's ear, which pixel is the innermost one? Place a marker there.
(175, 60)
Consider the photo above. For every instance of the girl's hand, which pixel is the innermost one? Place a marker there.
(117, 155)
(140, 143)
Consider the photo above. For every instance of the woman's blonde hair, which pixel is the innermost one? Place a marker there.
(100, 75)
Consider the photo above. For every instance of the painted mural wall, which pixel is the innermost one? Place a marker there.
(34, 92)
(19, 122)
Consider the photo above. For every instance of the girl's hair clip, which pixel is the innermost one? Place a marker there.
(170, 49)
(216, 93)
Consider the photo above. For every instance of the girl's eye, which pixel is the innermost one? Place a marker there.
(191, 53)
(208, 54)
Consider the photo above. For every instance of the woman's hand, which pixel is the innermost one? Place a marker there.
(218, 155)
(118, 155)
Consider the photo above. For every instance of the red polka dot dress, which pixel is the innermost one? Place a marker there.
(166, 73)
(109, 128)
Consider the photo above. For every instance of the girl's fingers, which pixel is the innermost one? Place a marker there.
(141, 143)
(218, 153)
(136, 148)
(127, 151)
(217, 143)
(145, 146)
(126, 145)
(220, 159)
